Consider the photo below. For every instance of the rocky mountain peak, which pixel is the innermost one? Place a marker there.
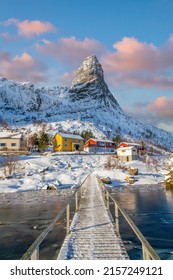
(89, 70)
(89, 84)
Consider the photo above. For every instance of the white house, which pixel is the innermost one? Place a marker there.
(127, 153)
(11, 141)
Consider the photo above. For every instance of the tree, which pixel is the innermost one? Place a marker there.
(33, 141)
(116, 139)
(43, 141)
(87, 135)
(9, 164)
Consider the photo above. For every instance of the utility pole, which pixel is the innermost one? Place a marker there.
(79, 116)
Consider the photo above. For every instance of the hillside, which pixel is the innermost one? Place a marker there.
(87, 104)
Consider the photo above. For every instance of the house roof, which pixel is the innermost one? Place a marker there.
(103, 140)
(129, 144)
(100, 140)
(64, 135)
(10, 135)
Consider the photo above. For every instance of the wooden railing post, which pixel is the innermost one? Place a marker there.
(107, 200)
(35, 254)
(76, 201)
(145, 253)
(116, 219)
(68, 219)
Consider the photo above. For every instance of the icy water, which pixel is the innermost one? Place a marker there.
(151, 209)
(23, 216)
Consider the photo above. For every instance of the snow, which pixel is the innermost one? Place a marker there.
(61, 108)
(5, 134)
(68, 171)
(70, 136)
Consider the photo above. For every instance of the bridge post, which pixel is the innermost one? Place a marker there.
(107, 199)
(116, 219)
(76, 200)
(68, 219)
(35, 254)
(145, 254)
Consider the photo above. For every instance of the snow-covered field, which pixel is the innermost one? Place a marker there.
(68, 171)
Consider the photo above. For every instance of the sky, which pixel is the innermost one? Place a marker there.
(46, 41)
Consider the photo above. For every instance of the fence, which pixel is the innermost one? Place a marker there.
(148, 252)
(33, 252)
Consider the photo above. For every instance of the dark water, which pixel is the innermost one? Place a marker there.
(23, 216)
(151, 209)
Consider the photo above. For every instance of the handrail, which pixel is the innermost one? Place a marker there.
(148, 252)
(33, 250)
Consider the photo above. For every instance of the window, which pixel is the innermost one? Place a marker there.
(79, 141)
(65, 139)
(2, 144)
(65, 145)
(101, 144)
(109, 144)
(13, 144)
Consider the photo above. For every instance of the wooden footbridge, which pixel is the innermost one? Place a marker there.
(92, 233)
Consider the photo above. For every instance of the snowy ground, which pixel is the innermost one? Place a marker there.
(64, 171)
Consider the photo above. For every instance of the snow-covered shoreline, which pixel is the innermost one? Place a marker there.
(68, 171)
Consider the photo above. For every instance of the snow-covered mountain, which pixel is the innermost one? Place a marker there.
(87, 104)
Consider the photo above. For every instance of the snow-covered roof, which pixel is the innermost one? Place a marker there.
(129, 144)
(64, 135)
(6, 135)
(101, 140)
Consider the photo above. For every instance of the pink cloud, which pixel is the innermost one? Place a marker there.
(139, 64)
(36, 27)
(131, 55)
(28, 28)
(71, 51)
(7, 37)
(4, 56)
(66, 78)
(22, 68)
(159, 112)
(162, 107)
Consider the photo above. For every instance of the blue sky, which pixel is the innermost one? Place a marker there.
(46, 41)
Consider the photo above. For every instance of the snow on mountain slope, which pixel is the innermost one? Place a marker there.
(87, 104)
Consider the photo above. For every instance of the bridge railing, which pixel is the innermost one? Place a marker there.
(33, 252)
(148, 252)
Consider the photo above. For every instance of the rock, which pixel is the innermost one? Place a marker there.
(89, 84)
(130, 180)
(132, 171)
(106, 180)
(169, 180)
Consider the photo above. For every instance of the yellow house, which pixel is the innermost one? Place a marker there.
(68, 142)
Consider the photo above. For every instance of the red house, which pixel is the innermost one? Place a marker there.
(99, 146)
(126, 144)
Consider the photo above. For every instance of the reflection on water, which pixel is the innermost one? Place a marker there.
(151, 208)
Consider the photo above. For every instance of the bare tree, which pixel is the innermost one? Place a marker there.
(9, 164)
